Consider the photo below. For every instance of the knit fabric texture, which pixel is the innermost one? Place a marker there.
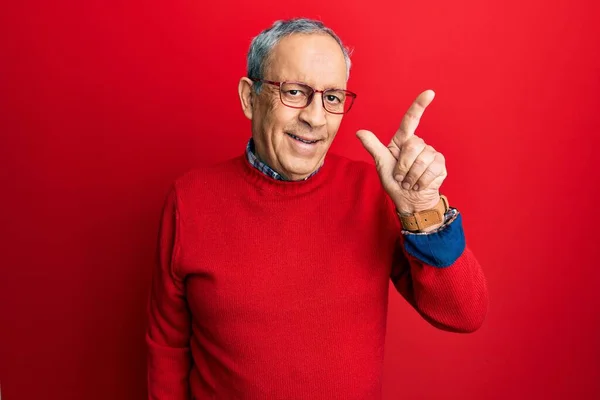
(272, 289)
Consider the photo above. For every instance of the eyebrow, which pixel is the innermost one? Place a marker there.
(327, 87)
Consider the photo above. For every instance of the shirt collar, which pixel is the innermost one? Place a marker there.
(264, 168)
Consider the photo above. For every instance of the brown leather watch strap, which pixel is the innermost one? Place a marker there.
(424, 219)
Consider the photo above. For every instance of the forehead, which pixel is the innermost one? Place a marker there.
(316, 59)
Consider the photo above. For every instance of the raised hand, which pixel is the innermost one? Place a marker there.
(410, 170)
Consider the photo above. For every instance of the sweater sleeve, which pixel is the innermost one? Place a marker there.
(168, 332)
(441, 278)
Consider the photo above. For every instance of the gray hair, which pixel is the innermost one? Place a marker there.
(262, 45)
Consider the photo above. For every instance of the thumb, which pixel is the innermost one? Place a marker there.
(380, 153)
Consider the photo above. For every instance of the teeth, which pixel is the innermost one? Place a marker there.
(304, 141)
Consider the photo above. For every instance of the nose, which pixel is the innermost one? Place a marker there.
(314, 114)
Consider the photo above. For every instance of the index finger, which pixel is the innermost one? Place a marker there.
(411, 119)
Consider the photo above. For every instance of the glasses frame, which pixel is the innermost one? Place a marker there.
(348, 93)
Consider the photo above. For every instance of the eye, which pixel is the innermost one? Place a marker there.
(295, 93)
(331, 98)
(335, 97)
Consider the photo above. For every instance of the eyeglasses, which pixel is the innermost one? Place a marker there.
(300, 95)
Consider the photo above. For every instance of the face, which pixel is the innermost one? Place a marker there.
(316, 60)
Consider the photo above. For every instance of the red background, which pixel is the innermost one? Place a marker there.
(102, 106)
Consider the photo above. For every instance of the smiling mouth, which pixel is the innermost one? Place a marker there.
(302, 140)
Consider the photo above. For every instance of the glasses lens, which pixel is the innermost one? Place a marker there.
(337, 101)
(295, 94)
(298, 95)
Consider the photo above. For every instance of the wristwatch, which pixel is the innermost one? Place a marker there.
(421, 220)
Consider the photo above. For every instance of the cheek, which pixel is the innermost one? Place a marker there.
(265, 118)
(281, 119)
(333, 124)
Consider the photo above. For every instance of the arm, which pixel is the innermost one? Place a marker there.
(441, 278)
(434, 270)
(168, 333)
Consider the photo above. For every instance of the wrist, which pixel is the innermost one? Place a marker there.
(425, 217)
(406, 208)
(430, 228)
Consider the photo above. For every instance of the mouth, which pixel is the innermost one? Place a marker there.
(303, 140)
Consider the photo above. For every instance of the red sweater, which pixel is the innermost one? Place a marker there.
(269, 289)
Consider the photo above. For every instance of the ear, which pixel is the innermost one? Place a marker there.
(246, 96)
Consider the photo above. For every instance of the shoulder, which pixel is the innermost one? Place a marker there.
(358, 183)
(207, 177)
(353, 172)
(204, 185)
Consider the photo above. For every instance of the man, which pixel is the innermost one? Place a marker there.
(273, 272)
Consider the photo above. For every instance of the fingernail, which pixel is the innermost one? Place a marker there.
(416, 187)
(399, 178)
(406, 185)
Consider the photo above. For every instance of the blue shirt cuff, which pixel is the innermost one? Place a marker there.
(440, 248)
